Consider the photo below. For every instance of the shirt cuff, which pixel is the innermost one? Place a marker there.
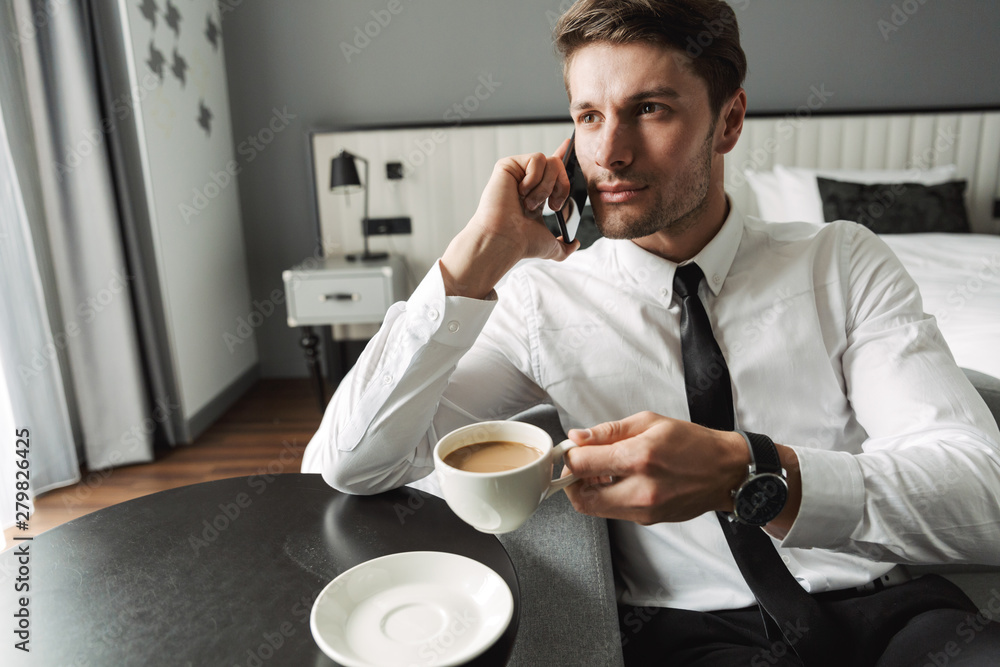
(833, 496)
(455, 321)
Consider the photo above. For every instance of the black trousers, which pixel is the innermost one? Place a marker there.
(927, 622)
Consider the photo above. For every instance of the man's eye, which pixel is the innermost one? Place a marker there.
(649, 107)
(588, 118)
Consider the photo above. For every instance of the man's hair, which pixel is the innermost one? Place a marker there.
(706, 30)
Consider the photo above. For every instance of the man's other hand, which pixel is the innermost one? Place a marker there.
(648, 468)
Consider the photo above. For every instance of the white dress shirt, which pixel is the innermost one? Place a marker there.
(829, 352)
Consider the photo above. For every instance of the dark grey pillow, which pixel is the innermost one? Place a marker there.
(896, 208)
(988, 387)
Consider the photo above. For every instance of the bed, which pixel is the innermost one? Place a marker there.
(959, 280)
(924, 214)
(782, 169)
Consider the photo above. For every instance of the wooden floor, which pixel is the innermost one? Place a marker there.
(275, 417)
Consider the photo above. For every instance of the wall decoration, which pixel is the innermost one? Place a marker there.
(212, 33)
(156, 60)
(179, 68)
(205, 117)
(148, 9)
(173, 18)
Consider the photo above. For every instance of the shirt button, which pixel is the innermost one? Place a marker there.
(432, 314)
(716, 278)
(454, 326)
(785, 559)
(386, 379)
(664, 292)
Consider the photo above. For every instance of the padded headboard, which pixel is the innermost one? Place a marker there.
(447, 167)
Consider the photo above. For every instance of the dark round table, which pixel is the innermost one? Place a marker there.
(224, 572)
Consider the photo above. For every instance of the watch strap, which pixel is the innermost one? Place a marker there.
(765, 454)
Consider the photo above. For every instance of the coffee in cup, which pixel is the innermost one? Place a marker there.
(492, 456)
(495, 474)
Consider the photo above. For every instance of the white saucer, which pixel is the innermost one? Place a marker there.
(425, 608)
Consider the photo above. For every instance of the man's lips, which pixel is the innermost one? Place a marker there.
(618, 193)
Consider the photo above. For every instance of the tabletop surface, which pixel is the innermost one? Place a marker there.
(224, 572)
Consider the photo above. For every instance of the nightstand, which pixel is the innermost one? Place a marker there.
(333, 290)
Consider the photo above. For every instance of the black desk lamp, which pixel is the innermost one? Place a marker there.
(344, 180)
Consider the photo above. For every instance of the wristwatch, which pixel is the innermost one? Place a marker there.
(764, 493)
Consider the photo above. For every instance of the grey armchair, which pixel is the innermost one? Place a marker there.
(569, 614)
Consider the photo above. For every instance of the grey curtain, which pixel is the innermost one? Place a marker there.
(33, 378)
(70, 347)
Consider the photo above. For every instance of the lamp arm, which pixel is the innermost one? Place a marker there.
(364, 220)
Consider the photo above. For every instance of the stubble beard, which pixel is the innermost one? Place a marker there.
(672, 212)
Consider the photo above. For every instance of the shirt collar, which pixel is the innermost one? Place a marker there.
(715, 259)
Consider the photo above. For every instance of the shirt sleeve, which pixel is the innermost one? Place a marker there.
(926, 486)
(427, 371)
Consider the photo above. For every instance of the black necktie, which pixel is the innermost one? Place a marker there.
(710, 399)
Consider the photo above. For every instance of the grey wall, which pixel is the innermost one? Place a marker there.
(289, 57)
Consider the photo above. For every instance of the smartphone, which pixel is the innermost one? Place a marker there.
(568, 217)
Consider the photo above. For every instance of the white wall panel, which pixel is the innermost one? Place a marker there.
(897, 150)
(852, 143)
(876, 141)
(945, 147)
(188, 154)
(830, 138)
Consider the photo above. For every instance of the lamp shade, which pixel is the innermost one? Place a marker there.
(344, 174)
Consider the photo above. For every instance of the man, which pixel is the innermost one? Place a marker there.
(888, 453)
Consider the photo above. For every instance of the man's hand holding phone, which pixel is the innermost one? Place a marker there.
(508, 227)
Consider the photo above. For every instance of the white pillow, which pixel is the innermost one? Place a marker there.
(767, 190)
(800, 192)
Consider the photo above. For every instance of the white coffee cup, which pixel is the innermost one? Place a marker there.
(499, 502)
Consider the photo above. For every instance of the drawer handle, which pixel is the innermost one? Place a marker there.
(341, 296)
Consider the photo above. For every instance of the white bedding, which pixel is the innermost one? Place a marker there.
(959, 280)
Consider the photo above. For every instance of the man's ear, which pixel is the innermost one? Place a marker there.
(731, 122)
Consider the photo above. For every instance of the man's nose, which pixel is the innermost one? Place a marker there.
(614, 149)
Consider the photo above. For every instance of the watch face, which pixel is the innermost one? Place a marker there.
(761, 499)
